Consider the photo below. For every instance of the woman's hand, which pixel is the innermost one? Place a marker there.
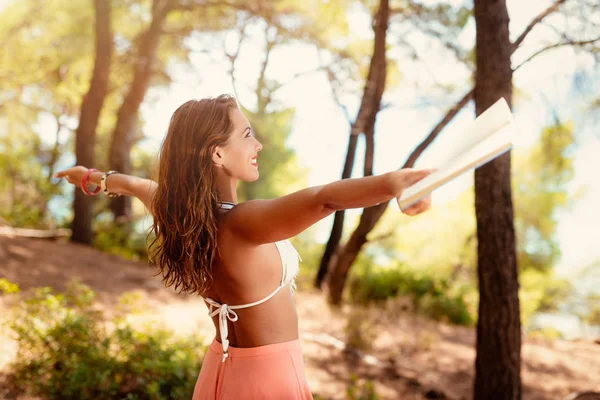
(419, 207)
(405, 178)
(73, 175)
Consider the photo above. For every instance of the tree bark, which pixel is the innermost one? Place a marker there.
(338, 220)
(498, 361)
(365, 123)
(91, 105)
(122, 137)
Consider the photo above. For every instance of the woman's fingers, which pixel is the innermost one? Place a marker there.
(419, 207)
(69, 175)
(415, 175)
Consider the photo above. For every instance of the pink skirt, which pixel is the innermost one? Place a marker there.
(271, 372)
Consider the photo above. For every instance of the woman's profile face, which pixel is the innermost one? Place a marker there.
(240, 153)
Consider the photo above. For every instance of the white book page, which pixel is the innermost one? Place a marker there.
(483, 152)
(485, 125)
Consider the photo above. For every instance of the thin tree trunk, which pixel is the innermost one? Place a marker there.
(85, 135)
(338, 220)
(122, 137)
(365, 123)
(498, 361)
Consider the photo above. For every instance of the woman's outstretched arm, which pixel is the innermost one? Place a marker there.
(125, 185)
(265, 221)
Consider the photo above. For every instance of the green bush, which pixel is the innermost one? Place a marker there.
(430, 296)
(8, 287)
(120, 239)
(66, 350)
(360, 390)
(442, 307)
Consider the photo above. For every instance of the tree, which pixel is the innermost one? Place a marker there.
(123, 134)
(46, 53)
(85, 135)
(363, 124)
(498, 361)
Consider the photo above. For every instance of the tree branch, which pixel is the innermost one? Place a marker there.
(233, 58)
(300, 75)
(536, 21)
(55, 153)
(410, 162)
(263, 99)
(577, 43)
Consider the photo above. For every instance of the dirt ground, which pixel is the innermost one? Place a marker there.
(411, 358)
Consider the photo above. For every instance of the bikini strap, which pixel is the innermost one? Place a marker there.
(226, 312)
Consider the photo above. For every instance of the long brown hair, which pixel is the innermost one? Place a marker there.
(185, 203)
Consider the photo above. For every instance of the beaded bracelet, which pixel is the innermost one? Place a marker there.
(103, 184)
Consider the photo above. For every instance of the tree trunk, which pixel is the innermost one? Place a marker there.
(122, 137)
(498, 361)
(365, 123)
(85, 135)
(348, 255)
(338, 220)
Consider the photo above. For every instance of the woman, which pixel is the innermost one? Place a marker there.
(236, 256)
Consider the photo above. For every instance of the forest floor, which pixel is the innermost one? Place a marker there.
(411, 357)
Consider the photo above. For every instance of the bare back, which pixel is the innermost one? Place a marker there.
(245, 273)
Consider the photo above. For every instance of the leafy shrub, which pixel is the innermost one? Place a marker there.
(442, 307)
(8, 287)
(357, 390)
(432, 297)
(120, 239)
(66, 350)
(547, 333)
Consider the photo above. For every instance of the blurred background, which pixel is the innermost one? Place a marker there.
(334, 89)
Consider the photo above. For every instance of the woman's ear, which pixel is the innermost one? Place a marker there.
(217, 156)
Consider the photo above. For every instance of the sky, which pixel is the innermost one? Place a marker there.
(320, 130)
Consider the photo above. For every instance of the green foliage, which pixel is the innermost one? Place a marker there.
(360, 390)
(24, 184)
(8, 287)
(67, 351)
(311, 252)
(593, 305)
(547, 333)
(540, 190)
(431, 296)
(120, 239)
(357, 389)
(541, 291)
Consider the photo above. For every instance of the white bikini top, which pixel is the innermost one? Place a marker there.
(290, 268)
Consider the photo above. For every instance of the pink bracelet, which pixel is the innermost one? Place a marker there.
(84, 182)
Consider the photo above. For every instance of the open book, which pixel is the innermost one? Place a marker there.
(486, 138)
